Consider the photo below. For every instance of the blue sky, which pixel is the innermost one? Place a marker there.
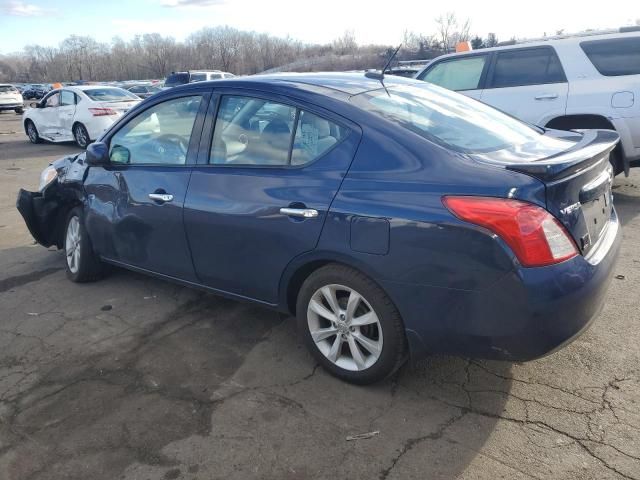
(48, 22)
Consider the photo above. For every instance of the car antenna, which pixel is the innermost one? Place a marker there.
(374, 74)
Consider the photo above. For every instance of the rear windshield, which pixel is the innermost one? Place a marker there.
(110, 95)
(176, 79)
(8, 89)
(448, 118)
(615, 57)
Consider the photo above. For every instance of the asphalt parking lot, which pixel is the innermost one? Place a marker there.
(135, 378)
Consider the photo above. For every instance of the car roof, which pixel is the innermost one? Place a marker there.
(542, 42)
(346, 83)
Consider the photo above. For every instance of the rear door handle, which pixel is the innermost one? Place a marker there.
(161, 197)
(546, 96)
(299, 212)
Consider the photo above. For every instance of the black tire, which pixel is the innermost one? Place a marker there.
(394, 344)
(86, 267)
(81, 135)
(19, 110)
(32, 132)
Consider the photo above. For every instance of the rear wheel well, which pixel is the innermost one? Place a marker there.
(298, 278)
(569, 122)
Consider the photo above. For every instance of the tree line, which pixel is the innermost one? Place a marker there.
(224, 48)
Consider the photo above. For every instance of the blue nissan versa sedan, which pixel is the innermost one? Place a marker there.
(391, 219)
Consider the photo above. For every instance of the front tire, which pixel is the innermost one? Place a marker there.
(83, 265)
(32, 132)
(81, 135)
(350, 325)
(19, 110)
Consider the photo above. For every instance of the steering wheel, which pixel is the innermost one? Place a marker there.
(178, 146)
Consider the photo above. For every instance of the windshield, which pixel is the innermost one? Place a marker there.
(110, 95)
(448, 118)
(7, 89)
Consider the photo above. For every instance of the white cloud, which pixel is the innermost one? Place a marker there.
(191, 3)
(18, 8)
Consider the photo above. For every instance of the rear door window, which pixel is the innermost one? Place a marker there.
(457, 74)
(257, 132)
(619, 56)
(530, 66)
(67, 98)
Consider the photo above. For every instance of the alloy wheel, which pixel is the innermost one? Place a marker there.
(32, 133)
(72, 244)
(81, 136)
(344, 327)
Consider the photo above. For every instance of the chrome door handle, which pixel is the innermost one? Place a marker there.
(546, 96)
(161, 197)
(299, 212)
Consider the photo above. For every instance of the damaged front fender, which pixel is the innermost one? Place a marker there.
(45, 212)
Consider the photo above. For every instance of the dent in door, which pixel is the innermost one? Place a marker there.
(108, 212)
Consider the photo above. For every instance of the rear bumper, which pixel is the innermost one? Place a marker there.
(98, 125)
(529, 313)
(11, 106)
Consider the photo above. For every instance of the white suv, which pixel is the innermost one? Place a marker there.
(583, 81)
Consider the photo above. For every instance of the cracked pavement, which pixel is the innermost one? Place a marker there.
(133, 378)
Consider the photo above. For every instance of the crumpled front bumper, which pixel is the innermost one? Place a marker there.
(41, 215)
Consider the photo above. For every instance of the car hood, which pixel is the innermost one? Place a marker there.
(71, 169)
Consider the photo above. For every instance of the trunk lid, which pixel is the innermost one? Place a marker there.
(120, 107)
(577, 174)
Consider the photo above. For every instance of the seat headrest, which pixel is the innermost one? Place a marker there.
(317, 123)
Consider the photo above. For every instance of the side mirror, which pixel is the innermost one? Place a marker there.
(120, 155)
(34, 105)
(97, 154)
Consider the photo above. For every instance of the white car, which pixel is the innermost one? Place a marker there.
(10, 98)
(589, 80)
(80, 113)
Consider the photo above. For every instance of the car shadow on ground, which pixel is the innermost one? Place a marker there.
(27, 150)
(133, 376)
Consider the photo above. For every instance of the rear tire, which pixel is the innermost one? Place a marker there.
(32, 132)
(19, 110)
(81, 135)
(82, 264)
(350, 325)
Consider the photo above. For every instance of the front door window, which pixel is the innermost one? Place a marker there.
(158, 136)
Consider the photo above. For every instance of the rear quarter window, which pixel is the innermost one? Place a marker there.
(531, 66)
(615, 57)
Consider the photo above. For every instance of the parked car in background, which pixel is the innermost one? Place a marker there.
(10, 98)
(365, 209)
(36, 91)
(191, 76)
(80, 113)
(144, 91)
(589, 80)
(408, 72)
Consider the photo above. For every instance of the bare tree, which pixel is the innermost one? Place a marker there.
(345, 44)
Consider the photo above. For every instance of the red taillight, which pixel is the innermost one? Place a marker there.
(533, 234)
(101, 112)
